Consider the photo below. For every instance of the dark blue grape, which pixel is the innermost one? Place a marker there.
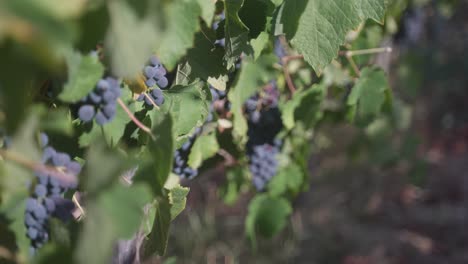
(39, 212)
(160, 72)
(150, 82)
(163, 82)
(109, 110)
(60, 159)
(86, 113)
(109, 97)
(44, 140)
(154, 61)
(101, 119)
(103, 85)
(32, 233)
(95, 98)
(40, 190)
(150, 71)
(49, 204)
(73, 167)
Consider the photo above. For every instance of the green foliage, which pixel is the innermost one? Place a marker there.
(83, 74)
(53, 55)
(317, 28)
(369, 93)
(267, 216)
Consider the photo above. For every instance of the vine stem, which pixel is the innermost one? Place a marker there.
(229, 160)
(151, 100)
(134, 119)
(350, 53)
(285, 60)
(34, 166)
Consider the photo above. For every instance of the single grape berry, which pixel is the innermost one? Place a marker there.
(86, 113)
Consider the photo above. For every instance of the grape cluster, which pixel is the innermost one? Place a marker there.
(154, 96)
(155, 74)
(101, 103)
(263, 164)
(47, 199)
(264, 123)
(181, 166)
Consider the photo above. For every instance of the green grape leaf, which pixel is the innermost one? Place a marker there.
(103, 167)
(204, 147)
(255, 14)
(156, 241)
(235, 179)
(188, 106)
(305, 106)
(288, 179)
(207, 10)
(266, 216)
(24, 147)
(374, 9)
(252, 76)
(259, 44)
(112, 214)
(369, 93)
(83, 74)
(129, 40)
(57, 120)
(13, 210)
(318, 28)
(204, 62)
(177, 200)
(178, 37)
(157, 164)
(235, 32)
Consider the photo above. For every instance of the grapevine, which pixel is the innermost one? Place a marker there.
(132, 103)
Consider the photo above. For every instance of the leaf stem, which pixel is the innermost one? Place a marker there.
(350, 53)
(285, 60)
(134, 119)
(353, 65)
(151, 100)
(229, 160)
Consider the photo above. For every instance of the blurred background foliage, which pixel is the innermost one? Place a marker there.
(391, 191)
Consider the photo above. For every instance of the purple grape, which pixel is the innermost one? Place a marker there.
(160, 72)
(48, 153)
(150, 71)
(32, 233)
(95, 98)
(109, 110)
(86, 113)
(39, 212)
(154, 61)
(141, 97)
(101, 119)
(150, 82)
(60, 159)
(73, 167)
(102, 85)
(49, 204)
(159, 101)
(163, 82)
(40, 190)
(108, 97)
(44, 140)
